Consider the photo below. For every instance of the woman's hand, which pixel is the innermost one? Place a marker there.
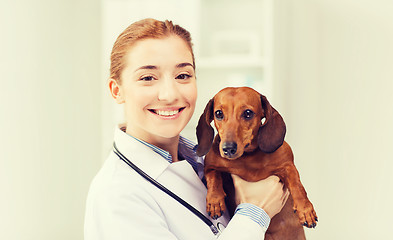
(268, 194)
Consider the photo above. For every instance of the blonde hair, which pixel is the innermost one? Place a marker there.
(143, 29)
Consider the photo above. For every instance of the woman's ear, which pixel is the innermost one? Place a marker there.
(116, 92)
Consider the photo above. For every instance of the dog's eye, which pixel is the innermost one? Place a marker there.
(248, 114)
(219, 115)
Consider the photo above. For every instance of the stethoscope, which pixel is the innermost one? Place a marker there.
(214, 229)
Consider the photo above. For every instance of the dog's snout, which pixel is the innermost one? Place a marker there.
(229, 148)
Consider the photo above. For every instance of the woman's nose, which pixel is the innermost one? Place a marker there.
(168, 90)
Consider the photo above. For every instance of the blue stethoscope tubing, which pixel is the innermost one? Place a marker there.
(166, 190)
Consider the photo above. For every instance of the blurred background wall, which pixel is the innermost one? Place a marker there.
(326, 65)
(50, 124)
(335, 88)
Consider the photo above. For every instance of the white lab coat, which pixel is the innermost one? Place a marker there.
(122, 205)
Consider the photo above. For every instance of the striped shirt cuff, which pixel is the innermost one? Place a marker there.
(255, 213)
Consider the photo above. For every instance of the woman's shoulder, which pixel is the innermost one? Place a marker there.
(116, 180)
(116, 192)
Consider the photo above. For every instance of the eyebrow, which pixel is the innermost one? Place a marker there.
(180, 65)
(185, 64)
(147, 67)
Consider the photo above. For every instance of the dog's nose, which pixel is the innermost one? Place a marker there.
(229, 148)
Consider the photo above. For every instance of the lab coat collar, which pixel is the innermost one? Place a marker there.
(141, 155)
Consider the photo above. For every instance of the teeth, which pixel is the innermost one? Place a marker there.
(167, 113)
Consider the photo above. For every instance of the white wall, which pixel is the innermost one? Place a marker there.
(335, 72)
(50, 136)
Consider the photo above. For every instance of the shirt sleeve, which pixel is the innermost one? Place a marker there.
(256, 214)
(249, 223)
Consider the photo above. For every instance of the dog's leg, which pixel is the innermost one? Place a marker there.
(285, 225)
(215, 199)
(302, 205)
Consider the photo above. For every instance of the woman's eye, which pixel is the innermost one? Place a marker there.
(147, 78)
(183, 76)
(248, 114)
(219, 114)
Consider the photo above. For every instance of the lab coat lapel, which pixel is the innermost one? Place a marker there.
(181, 179)
(141, 155)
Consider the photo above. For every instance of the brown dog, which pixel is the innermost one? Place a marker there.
(253, 150)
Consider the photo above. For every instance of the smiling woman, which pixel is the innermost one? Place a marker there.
(158, 88)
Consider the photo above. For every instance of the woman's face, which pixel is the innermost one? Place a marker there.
(158, 88)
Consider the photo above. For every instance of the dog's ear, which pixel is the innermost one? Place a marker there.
(204, 131)
(271, 134)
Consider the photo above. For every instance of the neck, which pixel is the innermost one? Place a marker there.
(170, 145)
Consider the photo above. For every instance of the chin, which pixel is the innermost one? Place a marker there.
(168, 132)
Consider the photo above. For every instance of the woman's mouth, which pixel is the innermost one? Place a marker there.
(166, 113)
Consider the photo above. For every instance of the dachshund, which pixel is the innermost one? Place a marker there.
(250, 143)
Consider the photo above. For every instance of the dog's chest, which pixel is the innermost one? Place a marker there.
(251, 167)
(254, 169)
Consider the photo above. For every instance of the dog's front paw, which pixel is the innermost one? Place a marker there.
(306, 213)
(215, 204)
